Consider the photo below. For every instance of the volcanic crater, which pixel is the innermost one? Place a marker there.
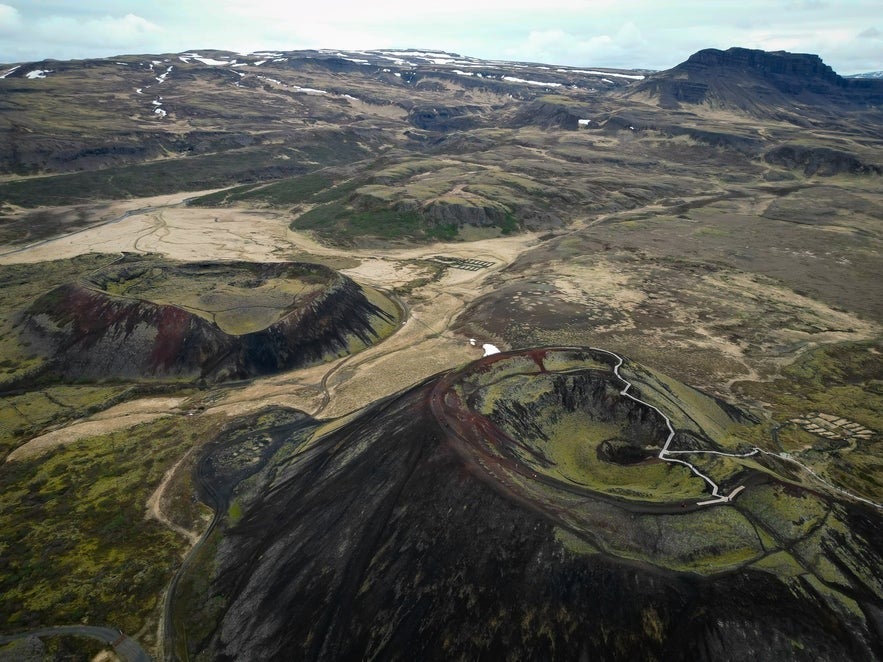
(145, 317)
(558, 416)
(459, 519)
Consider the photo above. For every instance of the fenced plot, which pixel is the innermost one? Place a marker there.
(467, 264)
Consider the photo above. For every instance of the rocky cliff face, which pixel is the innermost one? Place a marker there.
(778, 63)
(759, 82)
(91, 336)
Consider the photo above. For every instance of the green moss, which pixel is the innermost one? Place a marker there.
(336, 222)
(709, 540)
(234, 512)
(76, 545)
(781, 564)
(573, 543)
(508, 225)
(443, 232)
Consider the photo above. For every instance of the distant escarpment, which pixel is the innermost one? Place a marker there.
(147, 318)
(517, 509)
(824, 161)
(760, 83)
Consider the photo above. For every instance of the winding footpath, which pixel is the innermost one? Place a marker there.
(665, 454)
(124, 646)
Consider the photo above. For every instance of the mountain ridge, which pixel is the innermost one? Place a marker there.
(760, 83)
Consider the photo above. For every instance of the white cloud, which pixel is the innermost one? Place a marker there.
(10, 20)
(588, 33)
(106, 32)
(624, 47)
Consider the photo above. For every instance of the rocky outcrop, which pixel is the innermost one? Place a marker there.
(441, 119)
(549, 115)
(451, 213)
(822, 161)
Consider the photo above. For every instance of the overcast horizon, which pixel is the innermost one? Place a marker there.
(638, 34)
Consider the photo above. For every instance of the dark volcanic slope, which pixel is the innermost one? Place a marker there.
(764, 84)
(106, 327)
(396, 536)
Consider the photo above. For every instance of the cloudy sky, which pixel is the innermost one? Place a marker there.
(652, 34)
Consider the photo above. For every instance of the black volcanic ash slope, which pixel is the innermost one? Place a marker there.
(90, 332)
(408, 533)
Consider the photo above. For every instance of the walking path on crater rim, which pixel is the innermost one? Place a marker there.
(665, 454)
(715, 489)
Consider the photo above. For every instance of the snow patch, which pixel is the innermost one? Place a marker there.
(512, 79)
(211, 61)
(487, 347)
(38, 73)
(256, 64)
(9, 71)
(185, 60)
(309, 90)
(423, 54)
(583, 122)
(399, 61)
(138, 90)
(162, 77)
(357, 60)
(592, 72)
(158, 110)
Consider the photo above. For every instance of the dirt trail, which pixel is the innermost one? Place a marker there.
(154, 503)
(116, 418)
(421, 347)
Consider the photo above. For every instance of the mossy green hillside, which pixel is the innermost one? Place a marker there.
(76, 545)
(841, 380)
